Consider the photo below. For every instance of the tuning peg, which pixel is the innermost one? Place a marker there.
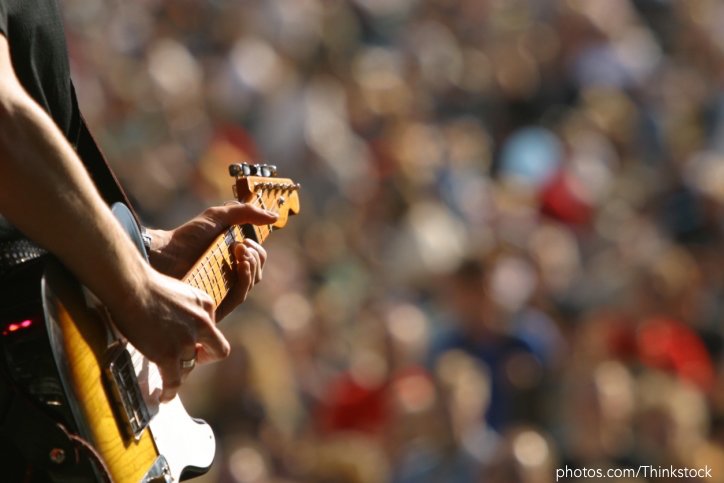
(234, 170)
(239, 170)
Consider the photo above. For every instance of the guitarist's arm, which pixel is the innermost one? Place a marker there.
(47, 194)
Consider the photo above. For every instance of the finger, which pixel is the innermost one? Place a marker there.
(235, 213)
(257, 267)
(246, 266)
(257, 248)
(214, 345)
(245, 280)
(172, 376)
(260, 258)
(209, 306)
(202, 355)
(254, 259)
(204, 302)
(188, 362)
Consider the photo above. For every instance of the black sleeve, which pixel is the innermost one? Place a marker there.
(4, 17)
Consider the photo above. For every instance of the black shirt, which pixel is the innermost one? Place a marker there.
(34, 30)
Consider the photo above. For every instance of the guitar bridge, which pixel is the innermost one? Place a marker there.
(121, 381)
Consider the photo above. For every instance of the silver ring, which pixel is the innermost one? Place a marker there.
(188, 363)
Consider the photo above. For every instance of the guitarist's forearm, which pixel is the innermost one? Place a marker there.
(47, 194)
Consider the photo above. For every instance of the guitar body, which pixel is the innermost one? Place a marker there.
(82, 343)
(79, 339)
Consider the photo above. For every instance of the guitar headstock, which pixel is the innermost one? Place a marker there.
(258, 184)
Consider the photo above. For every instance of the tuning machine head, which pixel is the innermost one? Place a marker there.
(239, 170)
(264, 170)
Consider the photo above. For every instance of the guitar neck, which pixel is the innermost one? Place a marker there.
(215, 271)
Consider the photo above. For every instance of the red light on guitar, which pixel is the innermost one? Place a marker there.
(16, 326)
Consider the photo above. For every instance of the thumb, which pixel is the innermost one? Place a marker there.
(236, 213)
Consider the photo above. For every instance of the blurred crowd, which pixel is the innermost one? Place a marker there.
(509, 257)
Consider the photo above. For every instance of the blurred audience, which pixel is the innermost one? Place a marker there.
(509, 257)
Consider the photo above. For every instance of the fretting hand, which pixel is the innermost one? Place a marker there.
(174, 252)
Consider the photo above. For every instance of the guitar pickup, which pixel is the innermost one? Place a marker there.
(121, 381)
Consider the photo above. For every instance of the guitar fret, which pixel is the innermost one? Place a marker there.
(221, 268)
(219, 274)
(214, 289)
(217, 277)
(208, 286)
(227, 268)
(216, 268)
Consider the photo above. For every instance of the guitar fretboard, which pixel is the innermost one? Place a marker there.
(214, 272)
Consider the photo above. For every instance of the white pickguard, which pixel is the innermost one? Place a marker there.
(182, 440)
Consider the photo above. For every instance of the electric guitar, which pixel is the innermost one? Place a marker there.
(98, 386)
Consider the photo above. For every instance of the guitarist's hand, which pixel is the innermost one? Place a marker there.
(171, 322)
(174, 252)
